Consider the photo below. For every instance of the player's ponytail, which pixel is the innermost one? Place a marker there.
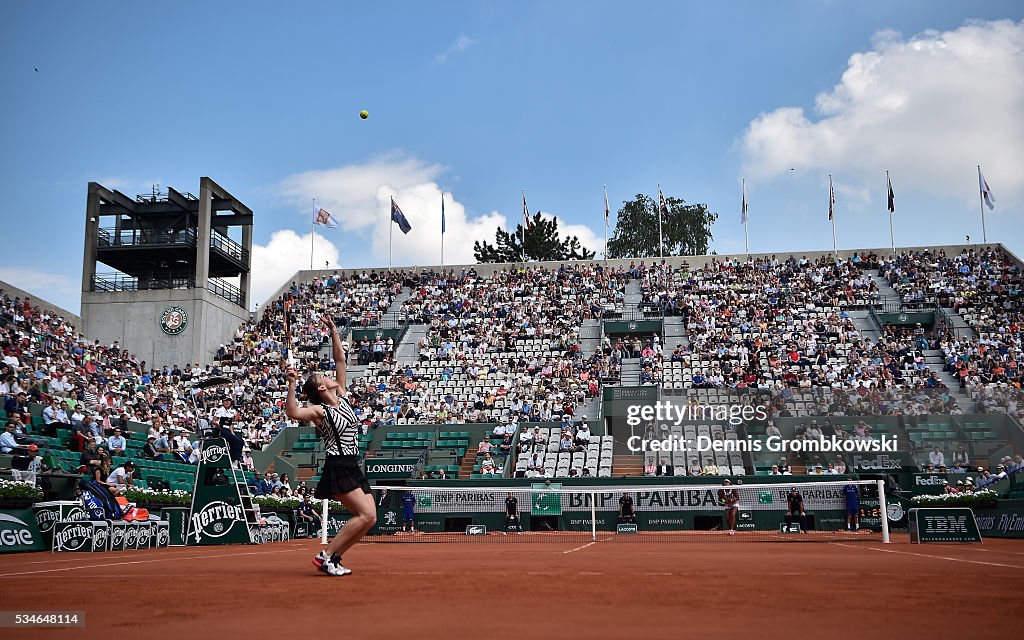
(311, 389)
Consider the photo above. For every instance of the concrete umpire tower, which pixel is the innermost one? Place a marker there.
(179, 285)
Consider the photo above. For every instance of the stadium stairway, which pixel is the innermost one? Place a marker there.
(591, 407)
(590, 336)
(396, 304)
(631, 465)
(933, 358)
(630, 372)
(468, 462)
(865, 324)
(675, 333)
(962, 330)
(884, 289)
(406, 351)
(632, 296)
(353, 371)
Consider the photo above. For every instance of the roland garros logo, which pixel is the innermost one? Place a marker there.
(163, 537)
(215, 519)
(117, 537)
(173, 320)
(214, 452)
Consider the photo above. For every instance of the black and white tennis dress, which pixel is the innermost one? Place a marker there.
(339, 433)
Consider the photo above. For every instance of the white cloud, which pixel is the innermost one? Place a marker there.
(927, 108)
(55, 288)
(458, 46)
(360, 198)
(286, 252)
(588, 238)
(350, 192)
(421, 205)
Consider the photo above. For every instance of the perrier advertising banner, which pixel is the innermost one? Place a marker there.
(217, 515)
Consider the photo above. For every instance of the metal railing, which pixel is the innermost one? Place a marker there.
(225, 290)
(229, 248)
(644, 311)
(142, 282)
(145, 238)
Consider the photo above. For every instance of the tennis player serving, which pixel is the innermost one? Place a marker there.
(341, 478)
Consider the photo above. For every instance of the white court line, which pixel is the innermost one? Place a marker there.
(970, 548)
(579, 548)
(166, 559)
(925, 555)
(128, 553)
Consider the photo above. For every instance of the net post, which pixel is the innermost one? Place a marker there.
(593, 517)
(323, 525)
(884, 511)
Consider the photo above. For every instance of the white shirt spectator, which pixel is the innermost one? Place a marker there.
(937, 458)
(119, 477)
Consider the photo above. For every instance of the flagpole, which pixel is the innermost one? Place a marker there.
(981, 205)
(832, 215)
(606, 226)
(391, 230)
(312, 234)
(442, 232)
(661, 242)
(743, 206)
(892, 237)
(526, 213)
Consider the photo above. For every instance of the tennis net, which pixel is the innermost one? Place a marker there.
(553, 513)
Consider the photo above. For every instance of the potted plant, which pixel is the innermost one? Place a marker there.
(15, 494)
(983, 498)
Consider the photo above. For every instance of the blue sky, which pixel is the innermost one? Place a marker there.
(482, 99)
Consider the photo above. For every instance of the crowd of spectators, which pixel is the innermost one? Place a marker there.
(506, 348)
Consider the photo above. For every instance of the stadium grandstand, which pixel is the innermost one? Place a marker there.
(507, 371)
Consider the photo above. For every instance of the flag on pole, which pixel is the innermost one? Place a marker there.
(892, 198)
(399, 218)
(744, 212)
(526, 213)
(607, 209)
(832, 198)
(325, 218)
(442, 213)
(662, 204)
(986, 192)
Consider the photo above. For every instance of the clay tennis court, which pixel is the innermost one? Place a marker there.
(726, 589)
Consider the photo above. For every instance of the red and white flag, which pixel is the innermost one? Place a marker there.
(326, 219)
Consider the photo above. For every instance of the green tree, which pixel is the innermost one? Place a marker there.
(685, 229)
(543, 243)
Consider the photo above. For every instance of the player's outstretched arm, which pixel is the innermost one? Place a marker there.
(291, 405)
(339, 353)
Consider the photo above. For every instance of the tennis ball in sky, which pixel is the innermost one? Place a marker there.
(364, 114)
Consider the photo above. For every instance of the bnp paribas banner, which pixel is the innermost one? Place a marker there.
(682, 499)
